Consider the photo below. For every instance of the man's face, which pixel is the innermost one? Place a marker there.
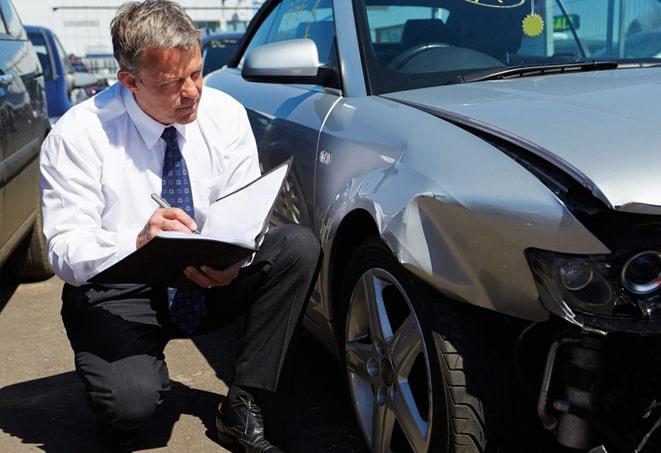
(168, 86)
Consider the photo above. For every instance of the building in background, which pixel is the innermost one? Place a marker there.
(84, 25)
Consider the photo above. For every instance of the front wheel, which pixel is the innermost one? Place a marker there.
(421, 373)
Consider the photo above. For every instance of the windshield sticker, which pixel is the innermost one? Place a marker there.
(498, 3)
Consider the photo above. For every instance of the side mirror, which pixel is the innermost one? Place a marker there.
(290, 61)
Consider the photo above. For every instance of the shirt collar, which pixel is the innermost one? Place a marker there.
(149, 129)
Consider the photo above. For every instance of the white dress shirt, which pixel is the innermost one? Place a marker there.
(103, 160)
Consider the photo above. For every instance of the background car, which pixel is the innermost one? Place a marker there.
(64, 86)
(489, 208)
(79, 65)
(23, 126)
(217, 48)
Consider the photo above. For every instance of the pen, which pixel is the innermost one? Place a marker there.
(160, 201)
(164, 204)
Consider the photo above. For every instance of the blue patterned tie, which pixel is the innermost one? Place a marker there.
(187, 306)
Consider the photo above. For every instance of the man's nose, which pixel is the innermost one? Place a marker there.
(189, 88)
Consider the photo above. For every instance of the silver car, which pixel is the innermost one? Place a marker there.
(485, 178)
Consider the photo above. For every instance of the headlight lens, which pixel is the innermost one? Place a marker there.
(625, 285)
(641, 274)
(575, 276)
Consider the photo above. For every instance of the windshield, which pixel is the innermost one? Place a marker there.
(418, 43)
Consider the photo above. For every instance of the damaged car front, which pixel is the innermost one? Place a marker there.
(484, 179)
(568, 235)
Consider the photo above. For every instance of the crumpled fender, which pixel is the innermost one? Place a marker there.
(467, 237)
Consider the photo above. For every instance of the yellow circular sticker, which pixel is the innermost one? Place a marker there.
(533, 24)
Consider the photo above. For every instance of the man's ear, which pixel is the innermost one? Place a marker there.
(128, 80)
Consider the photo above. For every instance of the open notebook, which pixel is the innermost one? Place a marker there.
(233, 230)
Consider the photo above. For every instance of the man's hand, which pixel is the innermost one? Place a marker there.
(165, 219)
(208, 277)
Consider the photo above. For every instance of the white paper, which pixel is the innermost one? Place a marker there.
(242, 216)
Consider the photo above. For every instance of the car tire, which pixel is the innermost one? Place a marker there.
(463, 361)
(29, 262)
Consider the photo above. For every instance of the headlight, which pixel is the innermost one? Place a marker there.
(582, 283)
(641, 274)
(575, 276)
(621, 291)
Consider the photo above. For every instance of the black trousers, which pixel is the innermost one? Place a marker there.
(118, 335)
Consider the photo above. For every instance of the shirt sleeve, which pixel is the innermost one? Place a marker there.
(243, 166)
(72, 203)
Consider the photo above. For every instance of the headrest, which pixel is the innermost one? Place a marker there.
(494, 32)
(422, 31)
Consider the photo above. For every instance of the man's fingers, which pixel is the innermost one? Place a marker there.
(198, 277)
(173, 225)
(224, 276)
(178, 215)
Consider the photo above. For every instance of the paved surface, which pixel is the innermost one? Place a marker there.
(42, 409)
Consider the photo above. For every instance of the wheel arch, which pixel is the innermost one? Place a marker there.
(354, 229)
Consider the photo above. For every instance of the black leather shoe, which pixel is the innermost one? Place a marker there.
(240, 425)
(115, 439)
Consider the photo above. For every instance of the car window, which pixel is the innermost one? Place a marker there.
(39, 44)
(418, 43)
(396, 27)
(311, 19)
(216, 52)
(66, 66)
(260, 37)
(12, 23)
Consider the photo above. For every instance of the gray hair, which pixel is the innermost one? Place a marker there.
(152, 24)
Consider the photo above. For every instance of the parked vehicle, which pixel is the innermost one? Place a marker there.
(23, 126)
(79, 65)
(217, 48)
(64, 86)
(489, 210)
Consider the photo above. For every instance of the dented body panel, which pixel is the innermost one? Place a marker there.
(455, 210)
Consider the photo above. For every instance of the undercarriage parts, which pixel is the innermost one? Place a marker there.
(583, 360)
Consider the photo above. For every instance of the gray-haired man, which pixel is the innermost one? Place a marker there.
(154, 132)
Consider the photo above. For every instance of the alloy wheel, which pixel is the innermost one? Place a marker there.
(387, 365)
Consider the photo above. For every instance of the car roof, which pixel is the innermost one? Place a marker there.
(37, 28)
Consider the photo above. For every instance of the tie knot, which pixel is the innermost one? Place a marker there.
(169, 135)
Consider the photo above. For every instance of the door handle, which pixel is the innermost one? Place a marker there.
(6, 80)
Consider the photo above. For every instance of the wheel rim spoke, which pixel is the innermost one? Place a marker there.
(357, 355)
(414, 427)
(382, 427)
(406, 346)
(378, 317)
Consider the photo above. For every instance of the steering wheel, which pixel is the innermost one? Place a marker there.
(400, 60)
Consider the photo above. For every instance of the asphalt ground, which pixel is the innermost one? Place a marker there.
(42, 406)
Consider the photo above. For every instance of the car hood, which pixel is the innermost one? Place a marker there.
(603, 128)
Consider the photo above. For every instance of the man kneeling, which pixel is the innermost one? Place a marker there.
(153, 131)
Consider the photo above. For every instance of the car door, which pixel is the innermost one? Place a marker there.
(286, 118)
(21, 128)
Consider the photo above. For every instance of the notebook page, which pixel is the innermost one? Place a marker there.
(242, 215)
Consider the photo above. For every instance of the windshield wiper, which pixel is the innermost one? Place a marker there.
(524, 71)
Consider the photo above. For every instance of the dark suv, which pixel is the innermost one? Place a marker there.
(23, 126)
